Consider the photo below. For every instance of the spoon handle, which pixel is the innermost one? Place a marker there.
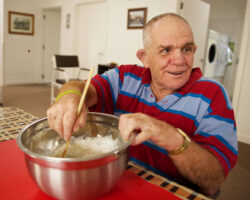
(81, 103)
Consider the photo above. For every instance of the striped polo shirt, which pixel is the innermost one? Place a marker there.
(201, 108)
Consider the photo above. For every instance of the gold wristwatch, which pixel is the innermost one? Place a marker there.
(184, 145)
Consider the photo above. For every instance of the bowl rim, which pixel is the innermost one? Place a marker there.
(36, 156)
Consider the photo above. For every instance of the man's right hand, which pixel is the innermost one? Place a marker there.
(63, 117)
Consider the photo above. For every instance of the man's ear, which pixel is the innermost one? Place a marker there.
(141, 55)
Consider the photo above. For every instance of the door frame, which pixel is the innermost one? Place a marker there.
(243, 56)
(43, 52)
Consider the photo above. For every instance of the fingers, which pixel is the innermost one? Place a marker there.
(58, 126)
(68, 122)
(62, 116)
(127, 125)
(135, 124)
(56, 120)
(146, 127)
(64, 119)
(141, 137)
(51, 119)
(81, 120)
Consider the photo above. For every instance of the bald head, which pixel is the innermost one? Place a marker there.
(169, 19)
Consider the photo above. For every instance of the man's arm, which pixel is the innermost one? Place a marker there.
(200, 167)
(195, 163)
(91, 98)
(62, 115)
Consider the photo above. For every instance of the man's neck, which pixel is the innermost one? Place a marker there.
(159, 92)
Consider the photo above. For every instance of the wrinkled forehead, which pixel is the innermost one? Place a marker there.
(172, 28)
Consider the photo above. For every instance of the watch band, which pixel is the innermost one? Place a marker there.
(184, 145)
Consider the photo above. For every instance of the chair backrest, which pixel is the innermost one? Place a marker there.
(66, 61)
(102, 68)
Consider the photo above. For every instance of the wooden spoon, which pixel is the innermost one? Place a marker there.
(80, 103)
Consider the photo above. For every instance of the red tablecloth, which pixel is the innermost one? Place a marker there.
(16, 183)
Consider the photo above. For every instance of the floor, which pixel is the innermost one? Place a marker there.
(35, 99)
(237, 184)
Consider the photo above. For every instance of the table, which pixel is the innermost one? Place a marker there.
(13, 120)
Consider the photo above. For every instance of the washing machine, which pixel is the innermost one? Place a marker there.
(218, 55)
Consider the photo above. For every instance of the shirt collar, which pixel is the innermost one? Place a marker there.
(196, 74)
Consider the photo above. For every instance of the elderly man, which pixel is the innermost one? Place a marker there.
(185, 122)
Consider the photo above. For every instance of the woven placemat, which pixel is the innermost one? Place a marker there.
(12, 121)
(173, 187)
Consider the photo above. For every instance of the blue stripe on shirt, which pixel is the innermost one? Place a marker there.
(226, 97)
(155, 147)
(139, 99)
(120, 82)
(199, 96)
(133, 76)
(160, 108)
(192, 117)
(230, 121)
(111, 89)
(222, 140)
(102, 93)
(217, 150)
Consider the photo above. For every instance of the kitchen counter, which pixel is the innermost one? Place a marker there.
(13, 120)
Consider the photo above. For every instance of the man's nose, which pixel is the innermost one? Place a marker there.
(177, 57)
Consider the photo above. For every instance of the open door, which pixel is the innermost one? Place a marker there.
(197, 12)
(91, 22)
(51, 40)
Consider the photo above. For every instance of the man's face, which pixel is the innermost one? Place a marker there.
(170, 54)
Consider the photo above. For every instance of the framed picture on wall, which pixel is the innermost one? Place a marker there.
(137, 18)
(21, 23)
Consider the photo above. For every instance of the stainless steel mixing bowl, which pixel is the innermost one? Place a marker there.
(73, 178)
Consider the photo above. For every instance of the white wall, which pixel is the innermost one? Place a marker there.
(1, 50)
(119, 43)
(241, 96)
(123, 41)
(67, 7)
(91, 33)
(119, 39)
(20, 65)
(27, 67)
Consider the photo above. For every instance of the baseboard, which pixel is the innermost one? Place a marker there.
(244, 138)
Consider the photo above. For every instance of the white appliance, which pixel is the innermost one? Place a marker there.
(218, 55)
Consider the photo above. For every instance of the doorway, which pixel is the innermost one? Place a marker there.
(89, 24)
(227, 17)
(51, 40)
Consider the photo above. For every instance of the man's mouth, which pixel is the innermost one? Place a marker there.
(176, 73)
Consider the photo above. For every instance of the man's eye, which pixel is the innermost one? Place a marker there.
(166, 50)
(188, 50)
